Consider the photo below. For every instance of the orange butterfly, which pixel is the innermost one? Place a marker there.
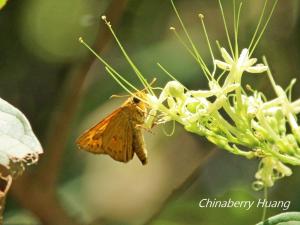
(119, 135)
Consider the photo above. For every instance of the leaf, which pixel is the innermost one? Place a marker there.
(2, 3)
(283, 219)
(18, 144)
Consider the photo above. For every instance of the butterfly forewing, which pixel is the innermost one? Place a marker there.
(117, 137)
(112, 136)
(91, 140)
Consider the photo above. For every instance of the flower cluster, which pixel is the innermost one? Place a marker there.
(240, 120)
(245, 124)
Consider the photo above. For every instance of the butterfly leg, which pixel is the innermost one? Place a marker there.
(142, 127)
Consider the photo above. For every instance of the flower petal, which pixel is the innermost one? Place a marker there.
(259, 68)
(223, 65)
(243, 58)
(228, 59)
(250, 62)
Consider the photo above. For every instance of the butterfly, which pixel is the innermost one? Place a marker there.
(119, 135)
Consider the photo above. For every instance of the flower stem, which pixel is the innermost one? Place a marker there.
(265, 207)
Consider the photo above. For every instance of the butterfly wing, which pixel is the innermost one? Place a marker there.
(112, 136)
(118, 137)
(90, 140)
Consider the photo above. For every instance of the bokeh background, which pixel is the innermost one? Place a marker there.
(63, 90)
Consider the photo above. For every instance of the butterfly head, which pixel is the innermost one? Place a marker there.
(139, 99)
(136, 100)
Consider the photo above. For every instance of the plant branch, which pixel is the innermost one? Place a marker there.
(37, 191)
(60, 124)
(5, 186)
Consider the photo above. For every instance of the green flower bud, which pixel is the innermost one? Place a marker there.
(260, 132)
(281, 122)
(171, 102)
(248, 138)
(219, 141)
(271, 169)
(175, 89)
(292, 141)
(273, 123)
(265, 173)
(192, 127)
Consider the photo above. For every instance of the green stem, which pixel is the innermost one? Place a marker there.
(133, 66)
(258, 25)
(116, 75)
(265, 207)
(263, 29)
(226, 29)
(195, 50)
(226, 126)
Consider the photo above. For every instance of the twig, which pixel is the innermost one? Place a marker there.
(182, 187)
(37, 191)
(64, 114)
(5, 186)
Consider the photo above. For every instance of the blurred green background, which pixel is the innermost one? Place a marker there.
(40, 53)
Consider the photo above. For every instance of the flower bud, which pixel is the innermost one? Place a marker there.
(175, 89)
(273, 123)
(218, 140)
(281, 122)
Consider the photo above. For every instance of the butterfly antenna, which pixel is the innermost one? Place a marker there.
(153, 81)
(119, 96)
(150, 84)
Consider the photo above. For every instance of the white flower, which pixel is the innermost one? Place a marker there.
(243, 63)
(254, 103)
(215, 90)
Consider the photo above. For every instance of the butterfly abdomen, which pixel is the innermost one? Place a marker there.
(138, 146)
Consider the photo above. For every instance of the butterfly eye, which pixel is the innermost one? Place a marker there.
(136, 100)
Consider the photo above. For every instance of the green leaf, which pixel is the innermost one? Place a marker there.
(18, 144)
(283, 219)
(2, 3)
